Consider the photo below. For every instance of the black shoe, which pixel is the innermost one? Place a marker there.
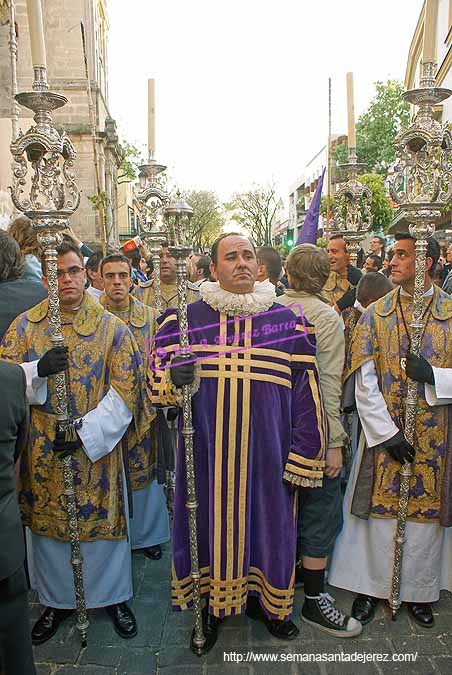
(321, 613)
(421, 612)
(284, 630)
(210, 625)
(363, 608)
(124, 621)
(47, 624)
(153, 552)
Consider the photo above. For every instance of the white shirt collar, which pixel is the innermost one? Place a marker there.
(359, 307)
(238, 304)
(427, 294)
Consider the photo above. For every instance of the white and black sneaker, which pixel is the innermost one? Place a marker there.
(319, 611)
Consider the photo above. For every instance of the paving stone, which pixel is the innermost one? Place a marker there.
(444, 604)
(225, 669)
(369, 646)
(443, 664)
(181, 656)
(57, 652)
(86, 670)
(418, 644)
(138, 661)
(422, 665)
(181, 670)
(348, 667)
(103, 657)
(43, 669)
(176, 636)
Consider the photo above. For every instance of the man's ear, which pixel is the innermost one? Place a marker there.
(428, 264)
(44, 283)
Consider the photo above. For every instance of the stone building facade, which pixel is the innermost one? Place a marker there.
(66, 75)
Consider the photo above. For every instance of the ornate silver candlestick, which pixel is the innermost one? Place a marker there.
(153, 198)
(422, 186)
(52, 199)
(178, 215)
(352, 214)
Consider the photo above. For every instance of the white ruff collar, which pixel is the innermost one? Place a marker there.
(238, 304)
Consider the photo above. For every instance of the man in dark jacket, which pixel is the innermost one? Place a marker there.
(16, 294)
(16, 655)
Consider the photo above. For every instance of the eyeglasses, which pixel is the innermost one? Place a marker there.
(74, 271)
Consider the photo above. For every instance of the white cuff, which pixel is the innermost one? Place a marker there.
(441, 392)
(104, 426)
(373, 412)
(36, 386)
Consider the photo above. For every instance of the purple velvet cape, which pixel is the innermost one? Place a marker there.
(258, 416)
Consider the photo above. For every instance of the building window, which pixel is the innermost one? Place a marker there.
(132, 221)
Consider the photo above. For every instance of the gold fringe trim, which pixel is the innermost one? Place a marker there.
(301, 481)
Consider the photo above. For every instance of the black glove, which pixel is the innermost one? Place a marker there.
(181, 372)
(172, 414)
(417, 368)
(63, 448)
(53, 361)
(399, 448)
(347, 300)
(354, 275)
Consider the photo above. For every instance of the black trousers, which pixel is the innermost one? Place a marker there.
(16, 653)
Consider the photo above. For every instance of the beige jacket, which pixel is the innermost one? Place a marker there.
(329, 333)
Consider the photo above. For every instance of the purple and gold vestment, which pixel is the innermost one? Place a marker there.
(259, 427)
(102, 354)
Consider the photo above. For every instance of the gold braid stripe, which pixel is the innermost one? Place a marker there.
(255, 377)
(303, 472)
(315, 463)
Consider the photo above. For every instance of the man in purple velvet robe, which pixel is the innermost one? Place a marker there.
(260, 433)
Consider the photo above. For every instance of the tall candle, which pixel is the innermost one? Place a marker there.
(430, 21)
(151, 117)
(351, 112)
(36, 27)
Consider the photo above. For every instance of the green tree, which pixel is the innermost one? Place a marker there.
(208, 217)
(255, 210)
(130, 158)
(377, 128)
(340, 153)
(381, 206)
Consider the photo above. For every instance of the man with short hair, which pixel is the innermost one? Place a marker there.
(149, 527)
(447, 284)
(259, 435)
(320, 510)
(16, 293)
(200, 270)
(269, 267)
(343, 276)
(377, 246)
(373, 263)
(342, 281)
(96, 285)
(145, 291)
(381, 344)
(371, 287)
(106, 386)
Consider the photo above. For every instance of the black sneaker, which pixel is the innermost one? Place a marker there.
(321, 613)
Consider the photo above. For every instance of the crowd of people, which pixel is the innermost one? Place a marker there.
(298, 376)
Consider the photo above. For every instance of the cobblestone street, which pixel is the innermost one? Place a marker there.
(161, 645)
